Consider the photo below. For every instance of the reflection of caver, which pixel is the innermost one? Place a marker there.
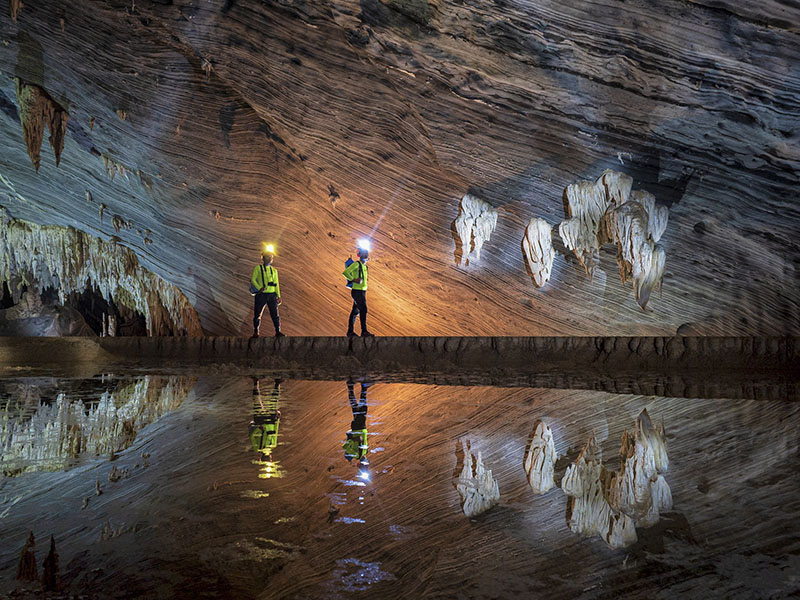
(264, 426)
(356, 446)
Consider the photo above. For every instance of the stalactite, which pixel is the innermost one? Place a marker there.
(540, 460)
(68, 428)
(37, 109)
(538, 247)
(475, 224)
(587, 202)
(478, 490)
(71, 261)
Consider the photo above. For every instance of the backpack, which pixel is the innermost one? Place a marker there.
(347, 263)
(253, 289)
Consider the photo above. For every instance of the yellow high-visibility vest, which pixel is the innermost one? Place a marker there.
(354, 271)
(266, 278)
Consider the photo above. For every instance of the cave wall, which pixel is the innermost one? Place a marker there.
(228, 123)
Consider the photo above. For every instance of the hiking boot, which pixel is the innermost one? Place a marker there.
(367, 334)
(279, 334)
(254, 336)
(352, 334)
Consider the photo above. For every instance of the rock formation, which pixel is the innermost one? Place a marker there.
(588, 510)
(540, 459)
(58, 433)
(538, 247)
(37, 109)
(612, 504)
(475, 223)
(241, 116)
(70, 261)
(478, 490)
(26, 569)
(51, 580)
(586, 205)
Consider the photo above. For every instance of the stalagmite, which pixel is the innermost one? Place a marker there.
(51, 580)
(478, 490)
(72, 261)
(26, 569)
(538, 247)
(540, 459)
(475, 223)
(588, 510)
(37, 109)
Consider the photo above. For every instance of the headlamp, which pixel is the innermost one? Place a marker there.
(364, 244)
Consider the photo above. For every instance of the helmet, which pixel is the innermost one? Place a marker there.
(362, 253)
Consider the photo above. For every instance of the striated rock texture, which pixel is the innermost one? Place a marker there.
(237, 123)
(540, 459)
(478, 489)
(71, 261)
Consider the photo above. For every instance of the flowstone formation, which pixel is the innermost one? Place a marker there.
(37, 109)
(475, 223)
(61, 431)
(538, 247)
(607, 211)
(540, 460)
(70, 261)
(478, 490)
(612, 504)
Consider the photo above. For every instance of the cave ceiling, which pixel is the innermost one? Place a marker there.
(228, 123)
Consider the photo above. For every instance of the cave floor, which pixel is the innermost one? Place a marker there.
(188, 509)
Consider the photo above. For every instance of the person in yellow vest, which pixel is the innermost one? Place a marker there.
(267, 291)
(356, 275)
(356, 445)
(263, 428)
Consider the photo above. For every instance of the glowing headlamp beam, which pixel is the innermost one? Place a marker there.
(270, 248)
(364, 244)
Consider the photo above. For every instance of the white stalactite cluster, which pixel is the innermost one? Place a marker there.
(607, 210)
(538, 247)
(540, 460)
(475, 224)
(611, 504)
(478, 490)
(57, 433)
(71, 261)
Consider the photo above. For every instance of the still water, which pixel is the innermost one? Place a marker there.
(276, 488)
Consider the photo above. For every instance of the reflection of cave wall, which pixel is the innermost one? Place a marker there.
(103, 281)
(41, 433)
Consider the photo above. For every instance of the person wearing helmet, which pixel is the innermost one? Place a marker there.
(263, 428)
(267, 292)
(356, 274)
(356, 446)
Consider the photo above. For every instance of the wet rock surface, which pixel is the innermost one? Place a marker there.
(204, 515)
(196, 131)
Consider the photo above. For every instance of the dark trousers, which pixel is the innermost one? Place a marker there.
(270, 300)
(359, 308)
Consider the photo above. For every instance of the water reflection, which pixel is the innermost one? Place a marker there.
(49, 426)
(356, 446)
(264, 427)
(320, 531)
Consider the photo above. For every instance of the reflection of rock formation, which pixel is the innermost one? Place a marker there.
(26, 569)
(67, 428)
(607, 211)
(478, 490)
(475, 223)
(538, 247)
(37, 109)
(588, 510)
(611, 504)
(31, 318)
(540, 459)
(71, 261)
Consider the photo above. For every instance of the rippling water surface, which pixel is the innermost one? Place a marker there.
(262, 487)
